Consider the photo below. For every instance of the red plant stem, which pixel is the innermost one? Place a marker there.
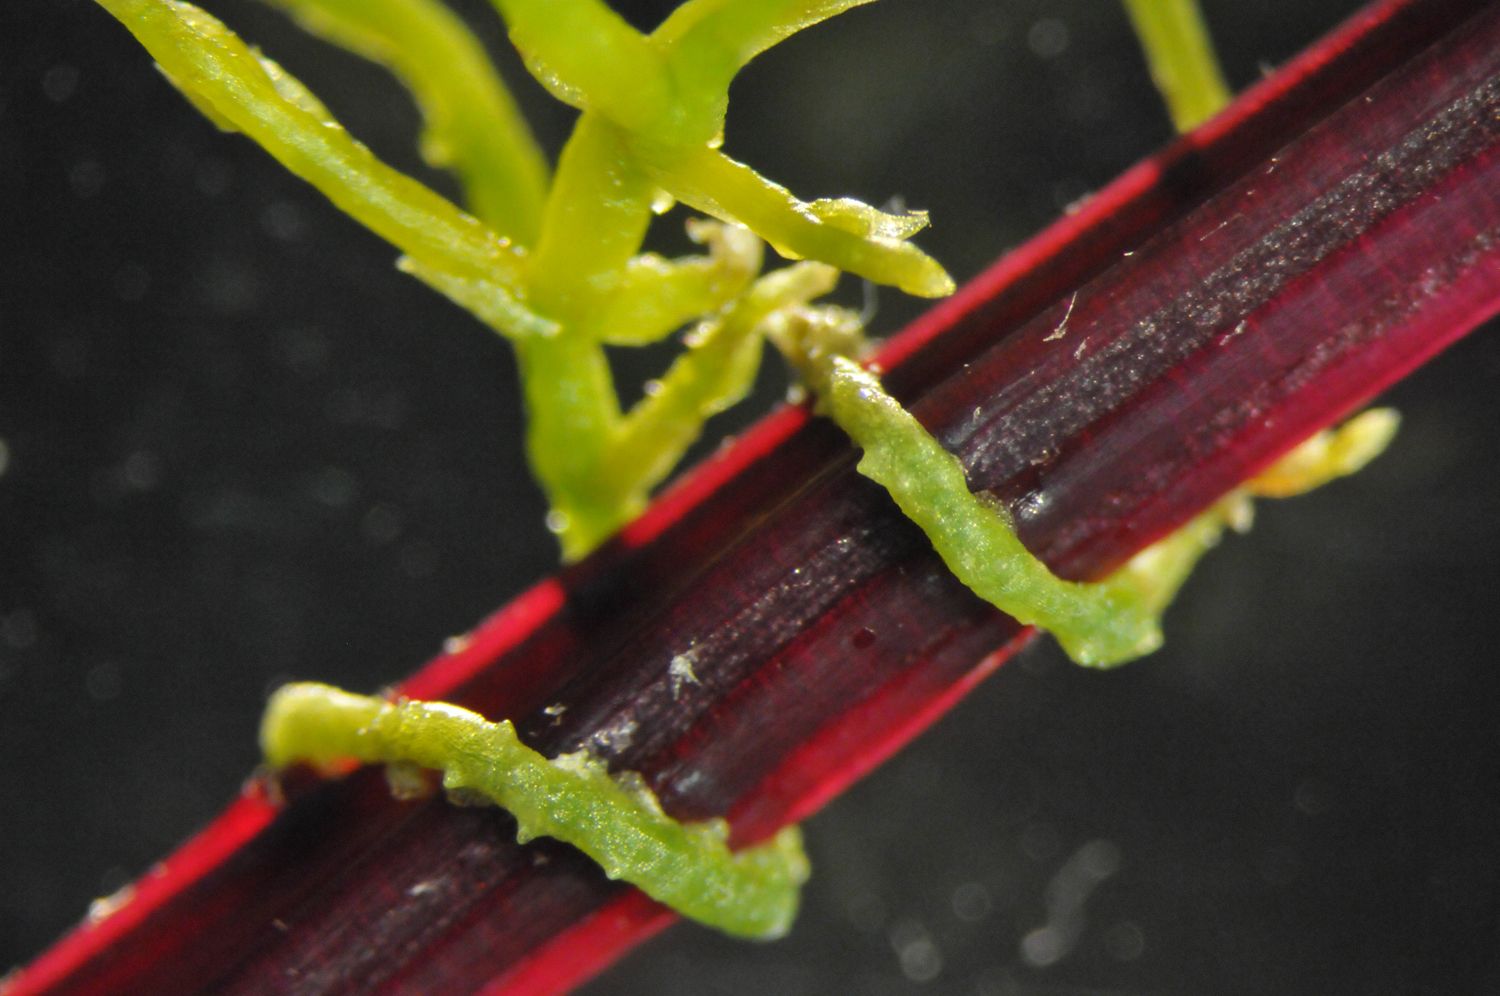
(1195, 319)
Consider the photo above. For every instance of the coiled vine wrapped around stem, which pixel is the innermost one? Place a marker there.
(552, 260)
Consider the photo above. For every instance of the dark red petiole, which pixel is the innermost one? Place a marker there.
(1225, 298)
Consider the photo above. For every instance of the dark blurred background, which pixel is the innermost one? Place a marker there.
(236, 447)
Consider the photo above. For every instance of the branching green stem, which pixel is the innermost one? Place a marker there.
(653, 115)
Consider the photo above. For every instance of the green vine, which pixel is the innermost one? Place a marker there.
(552, 260)
(555, 265)
(615, 820)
